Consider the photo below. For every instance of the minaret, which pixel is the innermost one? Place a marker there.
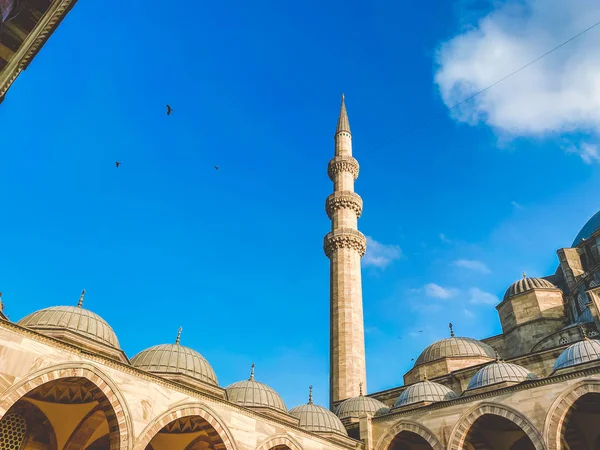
(345, 246)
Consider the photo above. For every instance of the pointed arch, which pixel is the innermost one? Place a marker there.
(466, 421)
(280, 439)
(114, 404)
(560, 409)
(405, 425)
(217, 425)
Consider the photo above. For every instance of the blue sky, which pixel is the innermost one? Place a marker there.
(455, 211)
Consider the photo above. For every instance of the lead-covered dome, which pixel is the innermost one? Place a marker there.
(499, 372)
(454, 347)
(175, 359)
(253, 394)
(588, 229)
(360, 406)
(424, 391)
(580, 352)
(526, 284)
(317, 419)
(74, 319)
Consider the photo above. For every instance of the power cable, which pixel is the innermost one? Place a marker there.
(462, 102)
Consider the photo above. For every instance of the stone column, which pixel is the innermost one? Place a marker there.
(345, 246)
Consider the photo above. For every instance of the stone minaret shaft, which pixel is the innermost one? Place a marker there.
(345, 246)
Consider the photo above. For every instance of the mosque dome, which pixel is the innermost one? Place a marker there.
(424, 391)
(588, 229)
(499, 372)
(527, 284)
(175, 359)
(454, 347)
(75, 319)
(579, 353)
(359, 406)
(317, 419)
(253, 394)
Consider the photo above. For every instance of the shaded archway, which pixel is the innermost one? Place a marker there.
(408, 435)
(187, 427)
(491, 426)
(279, 442)
(581, 427)
(61, 397)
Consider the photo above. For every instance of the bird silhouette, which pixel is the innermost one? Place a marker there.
(117, 164)
(169, 110)
(216, 167)
(412, 359)
(420, 331)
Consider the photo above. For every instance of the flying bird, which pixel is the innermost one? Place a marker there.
(216, 167)
(169, 110)
(117, 164)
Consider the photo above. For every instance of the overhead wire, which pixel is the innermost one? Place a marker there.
(462, 102)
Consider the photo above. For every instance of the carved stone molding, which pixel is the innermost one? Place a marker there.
(345, 238)
(343, 199)
(342, 164)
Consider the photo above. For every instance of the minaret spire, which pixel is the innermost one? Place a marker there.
(178, 339)
(344, 246)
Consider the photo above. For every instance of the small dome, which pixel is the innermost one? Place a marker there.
(175, 359)
(317, 419)
(527, 284)
(588, 229)
(499, 372)
(359, 406)
(580, 352)
(72, 318)
(453, 347)
(424, 391)
(251, 393)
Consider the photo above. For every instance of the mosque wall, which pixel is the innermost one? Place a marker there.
(143, 403)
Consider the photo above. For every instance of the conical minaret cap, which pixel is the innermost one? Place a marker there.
(343, 122)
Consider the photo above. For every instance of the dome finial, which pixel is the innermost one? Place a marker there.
(583, 332)
(497, 354)
(425, 375)
(80, 304)
(252, 372)
(310, 395)
(178, 339)
(451, 329)
(360, 393)
(524, 274)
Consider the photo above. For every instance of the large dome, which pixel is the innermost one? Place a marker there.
(588, 229)
(453, 347)
(317, 419)
(424, 391)
(251, 393)
(580, 352)
(499, 372)
(357, 407)
(75, 319)
(526, 284)
(175, 359)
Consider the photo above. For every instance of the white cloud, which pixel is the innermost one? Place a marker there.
(558, 94)
(436, 291)
(517, 205)
(470, 264)
(589, 153)
(444, 238)
(468, 313)
(477, 296)
(380, 255)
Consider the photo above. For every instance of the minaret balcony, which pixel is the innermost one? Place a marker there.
(342, 164)
(345, 238)
(343, 200)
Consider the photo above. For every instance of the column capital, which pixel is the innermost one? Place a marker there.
(343, 199)
(342, 164)
(345, 238)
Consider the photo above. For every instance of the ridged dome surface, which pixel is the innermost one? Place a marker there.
(424, 391)
(359, 406)
(527, 284)
(588, 229)
(254, 394)
(75, 319)
(580, 352)
(317, 419)
(499, 372)
(455, 347)
(175, 359)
